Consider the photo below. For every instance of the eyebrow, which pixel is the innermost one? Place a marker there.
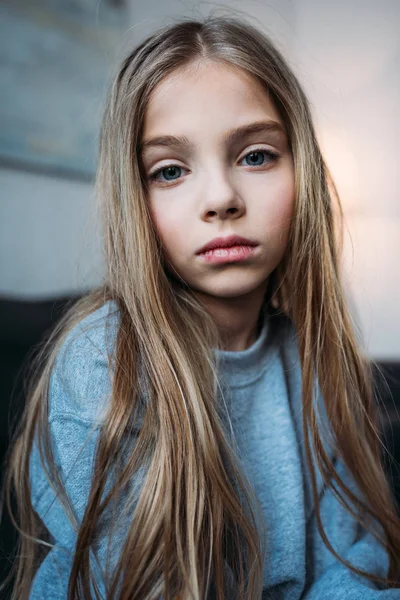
(230, 138)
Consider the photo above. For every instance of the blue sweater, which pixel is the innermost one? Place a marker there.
(262, 389)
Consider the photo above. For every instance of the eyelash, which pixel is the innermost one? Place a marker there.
(152, 177)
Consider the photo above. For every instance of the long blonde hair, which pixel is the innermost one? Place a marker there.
(181, 540)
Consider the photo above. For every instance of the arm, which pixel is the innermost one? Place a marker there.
(68, 434)
(327, 577)
(332, 580)
(337, 582)
(78, 391)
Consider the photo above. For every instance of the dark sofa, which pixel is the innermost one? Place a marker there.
(23, 325)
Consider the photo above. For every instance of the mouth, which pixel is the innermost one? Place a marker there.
(228, 254)
(225, 243)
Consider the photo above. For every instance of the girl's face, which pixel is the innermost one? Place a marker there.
(215, 180)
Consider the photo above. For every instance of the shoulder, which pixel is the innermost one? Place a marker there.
(80, 380)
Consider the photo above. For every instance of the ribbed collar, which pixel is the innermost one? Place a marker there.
(244, 366)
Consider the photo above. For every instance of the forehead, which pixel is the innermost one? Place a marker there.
(205, 92)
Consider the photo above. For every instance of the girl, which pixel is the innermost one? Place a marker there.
(203, 426)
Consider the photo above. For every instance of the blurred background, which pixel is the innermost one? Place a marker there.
(56, 60)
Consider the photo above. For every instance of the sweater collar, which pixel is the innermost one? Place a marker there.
(242, 367)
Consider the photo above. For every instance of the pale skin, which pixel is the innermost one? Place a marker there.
(219, 187)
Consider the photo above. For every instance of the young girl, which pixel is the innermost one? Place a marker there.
(204, 426)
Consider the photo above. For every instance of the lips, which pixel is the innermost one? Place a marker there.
(226, 242)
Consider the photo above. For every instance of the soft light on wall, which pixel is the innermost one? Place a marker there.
(347, 56)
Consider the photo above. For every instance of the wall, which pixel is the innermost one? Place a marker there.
(347, 56)
(48, 240)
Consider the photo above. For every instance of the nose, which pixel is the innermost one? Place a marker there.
(221, 201)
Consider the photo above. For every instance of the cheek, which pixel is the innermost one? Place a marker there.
(168, 228)
(278, 207)
(285, 209)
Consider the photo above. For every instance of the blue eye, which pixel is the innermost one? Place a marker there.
(259, 152)
(170, 169)
(171, 172)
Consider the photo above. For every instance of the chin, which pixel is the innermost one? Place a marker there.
(232, 290)
(229, 285)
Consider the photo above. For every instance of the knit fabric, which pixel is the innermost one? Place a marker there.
(260, 398)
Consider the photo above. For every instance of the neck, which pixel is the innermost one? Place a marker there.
(237, 318)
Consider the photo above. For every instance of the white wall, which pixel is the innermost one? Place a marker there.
(48, 241)
(346, 55)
